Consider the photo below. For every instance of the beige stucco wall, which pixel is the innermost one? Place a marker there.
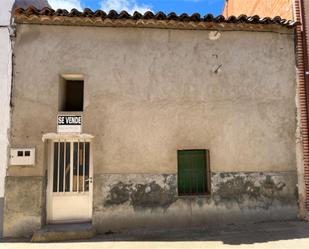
(149, 92)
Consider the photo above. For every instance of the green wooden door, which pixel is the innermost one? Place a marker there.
(192, 172)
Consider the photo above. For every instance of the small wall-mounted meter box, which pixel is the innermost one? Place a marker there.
(22, 156)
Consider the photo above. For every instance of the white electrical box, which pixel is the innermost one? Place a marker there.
(22, 156)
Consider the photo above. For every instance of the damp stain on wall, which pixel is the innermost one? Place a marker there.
(260, 189)
(253, 190)
(148, 195)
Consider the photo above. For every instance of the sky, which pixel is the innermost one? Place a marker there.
(179, 6)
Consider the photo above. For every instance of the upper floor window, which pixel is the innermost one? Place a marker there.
(71, 93)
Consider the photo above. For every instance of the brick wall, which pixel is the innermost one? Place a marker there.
(305, 66)
(269, 8)
(302, 109)
(306, 2)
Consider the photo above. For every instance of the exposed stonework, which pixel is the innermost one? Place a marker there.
(145, 200)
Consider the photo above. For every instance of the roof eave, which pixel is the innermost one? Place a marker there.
(49, 16)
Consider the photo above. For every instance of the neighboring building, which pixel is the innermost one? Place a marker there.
(263, 8)
(5, 90)
(301, 14)
(40, 4)
(5, 83)
(306, 12)
(186, 121)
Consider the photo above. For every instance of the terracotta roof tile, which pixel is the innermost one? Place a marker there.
(49, 16)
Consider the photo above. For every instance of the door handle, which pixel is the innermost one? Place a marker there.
(89, 180)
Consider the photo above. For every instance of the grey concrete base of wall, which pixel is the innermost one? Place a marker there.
(23, 206)
(134, 201)
(64, 232)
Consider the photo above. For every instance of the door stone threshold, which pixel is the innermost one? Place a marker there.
(64, 232)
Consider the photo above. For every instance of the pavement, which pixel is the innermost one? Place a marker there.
(266, 235)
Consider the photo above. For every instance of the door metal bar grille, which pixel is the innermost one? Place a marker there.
(71, 166)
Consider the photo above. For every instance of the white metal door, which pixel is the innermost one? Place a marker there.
(69, 197)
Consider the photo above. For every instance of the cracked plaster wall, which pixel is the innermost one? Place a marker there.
(150, 92)
(146, 201)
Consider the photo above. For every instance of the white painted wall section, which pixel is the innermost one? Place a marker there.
(5, 89)
(5, 85)
(5, 12)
